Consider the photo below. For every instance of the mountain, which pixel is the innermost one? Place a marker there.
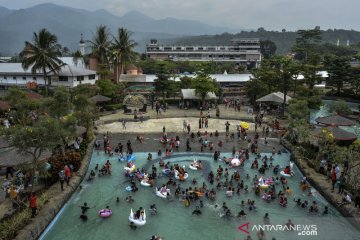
(67, 23)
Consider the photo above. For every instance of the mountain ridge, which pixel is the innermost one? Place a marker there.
(67, 23)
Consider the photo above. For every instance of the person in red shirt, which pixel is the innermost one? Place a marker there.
(33, 204)
(333, 178)
(67, 174)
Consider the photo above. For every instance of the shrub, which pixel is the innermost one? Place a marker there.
(9, 228)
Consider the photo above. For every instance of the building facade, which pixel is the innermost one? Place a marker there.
(244, 51)
(12, 74)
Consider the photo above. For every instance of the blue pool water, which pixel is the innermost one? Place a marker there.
(175, 221)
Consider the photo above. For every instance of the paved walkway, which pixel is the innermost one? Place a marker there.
(174, 111)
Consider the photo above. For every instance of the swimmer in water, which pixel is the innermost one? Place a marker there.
(197, 211)
(132, 226)
(129, 199)
(117, 199)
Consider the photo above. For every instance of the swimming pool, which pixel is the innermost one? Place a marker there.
(175, 222)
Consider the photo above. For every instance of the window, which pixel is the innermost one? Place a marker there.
(5, 77)
(80, 78)
(34, 78)
(92, 77)
(14, 78)
(63, 78)
(24, 78)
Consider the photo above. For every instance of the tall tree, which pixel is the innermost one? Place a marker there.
(35, 139)
(123, 50)
(203, 85)
(162, 84)
(267, 48)
(339, 71)
(306, 43)
(42, 55)
(85, 112)
(100, 45)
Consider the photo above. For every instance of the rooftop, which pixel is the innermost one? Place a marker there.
(66, 70)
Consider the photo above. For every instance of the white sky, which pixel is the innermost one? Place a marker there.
(270, 14)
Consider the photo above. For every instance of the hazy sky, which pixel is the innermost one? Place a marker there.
(270, 14)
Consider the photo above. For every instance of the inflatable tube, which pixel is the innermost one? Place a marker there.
(105, 213)
(291, 165)
(235, 162)
(137, 222)
(166, 171)
(130, 158)
(266, 198)
(144, 183)
(131, 170)
(282, 173)
(163, 140)
(262, 184)
(186, 175)
(128, 189)
(192, 167)
(160, 194)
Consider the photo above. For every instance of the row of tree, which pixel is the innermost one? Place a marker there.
(43, 52)
(165, 85)
(300, 72)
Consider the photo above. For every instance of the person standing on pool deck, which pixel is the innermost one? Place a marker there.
(67, 174)
(227, 126)
(33, 204)
(62, 179)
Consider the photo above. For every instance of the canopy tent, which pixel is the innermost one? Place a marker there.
(337, 133)
(100, 99)
(277, 97)
(190, 94)
(335, 120)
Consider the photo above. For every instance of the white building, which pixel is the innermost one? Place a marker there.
(12, 74)
(244, 51)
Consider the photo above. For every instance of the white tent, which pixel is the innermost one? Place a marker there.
(190, 94)
(277, 97)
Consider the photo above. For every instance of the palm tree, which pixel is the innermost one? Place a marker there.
(123, 49)
(100, 45)
(42, 55)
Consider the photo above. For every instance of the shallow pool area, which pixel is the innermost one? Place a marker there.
(174, 221)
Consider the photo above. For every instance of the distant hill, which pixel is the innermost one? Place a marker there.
(67, 23)
(283, 40)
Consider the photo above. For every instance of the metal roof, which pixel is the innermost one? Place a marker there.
(190, 94)
(66, 70)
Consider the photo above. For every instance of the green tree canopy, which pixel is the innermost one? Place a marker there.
(204, 84)
(42, 55)
(339, 71)
(107, 88)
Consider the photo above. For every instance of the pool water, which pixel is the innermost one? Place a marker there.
(174, 221)
(324, 111)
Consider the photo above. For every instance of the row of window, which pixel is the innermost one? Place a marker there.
(61, 78)
(16, 78)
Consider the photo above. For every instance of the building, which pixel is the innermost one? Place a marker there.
(12, 74)
(244, 51)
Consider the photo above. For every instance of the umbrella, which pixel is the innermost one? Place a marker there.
(335, 120)
(244, 125)
(100, 99)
